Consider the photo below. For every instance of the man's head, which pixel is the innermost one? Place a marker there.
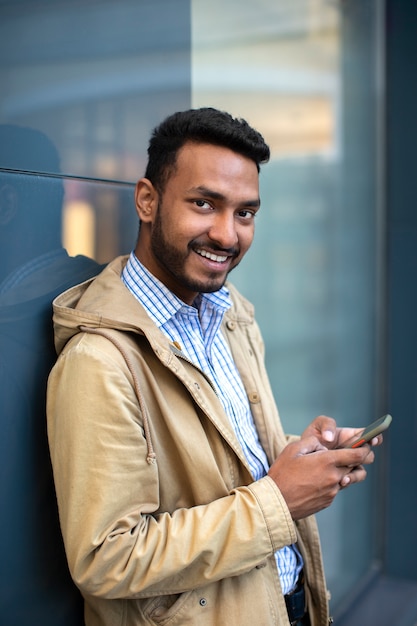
(198, 200)
(205, 125)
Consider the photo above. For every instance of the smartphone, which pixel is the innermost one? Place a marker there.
(369, 432)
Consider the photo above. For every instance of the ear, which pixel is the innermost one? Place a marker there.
(146, 198)
(9, 202)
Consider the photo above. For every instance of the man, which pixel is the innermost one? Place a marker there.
(181, 500)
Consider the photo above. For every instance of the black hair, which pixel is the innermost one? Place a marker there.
(205, 125)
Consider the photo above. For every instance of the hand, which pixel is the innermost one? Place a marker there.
(309, 475)
(331, 436)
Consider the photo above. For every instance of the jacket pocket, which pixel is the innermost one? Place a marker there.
(168, 610)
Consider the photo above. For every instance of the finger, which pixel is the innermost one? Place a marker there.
(327, 428)
(367, 456)
(370, 457)
(309, 445)
(376, 441)
(351, 457)
(322, 427)
(346, 436)
(346, 480)
(357, 475)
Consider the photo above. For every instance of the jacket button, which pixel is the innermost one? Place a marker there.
(203, 602)
(253, 397)
(231, 325)
(261, 565)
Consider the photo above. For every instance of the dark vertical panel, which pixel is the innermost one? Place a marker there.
(402, 229)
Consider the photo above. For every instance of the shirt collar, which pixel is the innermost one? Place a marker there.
(162, 304)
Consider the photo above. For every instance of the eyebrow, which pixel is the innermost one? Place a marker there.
(215, 195)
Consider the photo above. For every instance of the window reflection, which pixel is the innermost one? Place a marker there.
(79, 228)
(34, 269)
(289, 67)
(275, 65)
(302, 72)
(94, 78)
(99, 218)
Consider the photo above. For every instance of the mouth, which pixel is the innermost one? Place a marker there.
(217, 258)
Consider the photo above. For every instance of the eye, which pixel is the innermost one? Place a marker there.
(203, 204)
(246, 214)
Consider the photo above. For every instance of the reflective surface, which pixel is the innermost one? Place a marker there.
(303, 73)
(34, 269)
(95, 78)
(82, 86)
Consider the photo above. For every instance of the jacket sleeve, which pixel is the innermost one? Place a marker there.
(118, 542)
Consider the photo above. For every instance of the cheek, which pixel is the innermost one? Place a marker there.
(174, 229)
(189, 229)
(246, 238)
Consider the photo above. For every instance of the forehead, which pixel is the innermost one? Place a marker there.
(202, 164)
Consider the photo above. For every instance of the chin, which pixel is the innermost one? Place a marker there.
(213, 286)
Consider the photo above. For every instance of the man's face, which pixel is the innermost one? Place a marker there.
(203, 224)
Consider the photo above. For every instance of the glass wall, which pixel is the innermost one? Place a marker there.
(304, 73)
(94, 77)
(82, 86)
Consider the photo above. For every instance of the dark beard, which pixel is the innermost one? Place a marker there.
(173, 261)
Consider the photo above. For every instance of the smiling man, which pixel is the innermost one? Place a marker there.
(198, 228)
(181, 500)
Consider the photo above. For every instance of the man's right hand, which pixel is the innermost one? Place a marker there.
(309, 475)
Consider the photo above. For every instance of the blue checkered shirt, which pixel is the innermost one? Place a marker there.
(197, 329)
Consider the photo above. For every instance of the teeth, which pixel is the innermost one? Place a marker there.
(212, 257)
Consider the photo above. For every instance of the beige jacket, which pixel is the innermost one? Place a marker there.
(162, 521)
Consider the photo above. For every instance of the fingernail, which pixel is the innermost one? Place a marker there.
(328, 435)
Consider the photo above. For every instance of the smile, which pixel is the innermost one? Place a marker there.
(212, 257)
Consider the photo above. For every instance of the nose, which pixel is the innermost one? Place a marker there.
(223, 230)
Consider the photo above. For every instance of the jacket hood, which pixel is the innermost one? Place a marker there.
(105, 302)
(100, 302)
